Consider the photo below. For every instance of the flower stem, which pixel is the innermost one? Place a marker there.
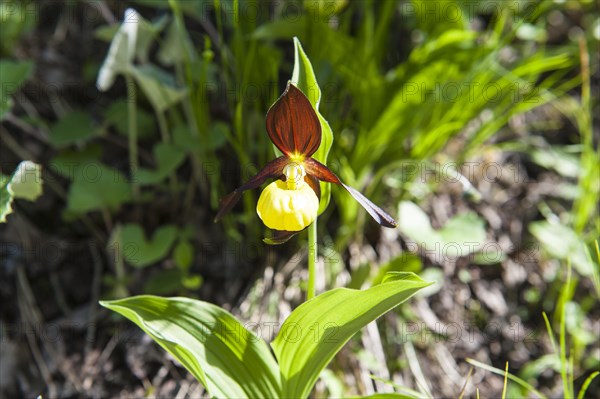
(132, 130)
(312, 259)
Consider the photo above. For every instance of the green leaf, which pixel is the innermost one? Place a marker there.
(173, 48)
(12, 75)
(121, 52)
(563, 243)
(5, 198)
(218, 134)
(96, 186)
(192, 282)
(74, 127)
(460, 236)
(69, 159)
(166, 282)
(209, 342)
(316, 330)
(158, 86)
(25, 183)
(390, 396)
(148, 32)
(304, 78)
(183, 254)
(325, 9)
(406, 262)
(168, 158)
(131, 241)
(116, 114)
(557, 158)
(415, 223)
(284, 28)
(461, 233)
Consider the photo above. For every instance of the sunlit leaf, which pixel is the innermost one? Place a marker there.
(209, 342)
(561, 242)
(121, 52)
(324, 8)
(460, 236)
(316, 330)
(24, 183)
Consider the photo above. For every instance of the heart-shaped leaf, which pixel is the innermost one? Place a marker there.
(210, 343)
(74, 127)
(117, 115)
(131, 241)
(96, 186)
(168, 158)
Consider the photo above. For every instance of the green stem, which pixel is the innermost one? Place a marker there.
(163, 127)
(132, 119)
(312, 259)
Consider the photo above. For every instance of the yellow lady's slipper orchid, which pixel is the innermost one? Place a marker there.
(290, 204)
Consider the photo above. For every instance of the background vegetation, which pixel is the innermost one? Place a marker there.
(475, 123)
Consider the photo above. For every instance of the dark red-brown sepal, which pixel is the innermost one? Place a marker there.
(271, 170)
(293, 124)
(280, 237)
(322, 172)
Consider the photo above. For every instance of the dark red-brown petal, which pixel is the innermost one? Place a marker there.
(273, 169)
(280, 237)
(293, 124)
(313, 182)
(322, 172)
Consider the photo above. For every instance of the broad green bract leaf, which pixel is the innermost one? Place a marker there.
(316, 330)
(304, 78)
(209, 342)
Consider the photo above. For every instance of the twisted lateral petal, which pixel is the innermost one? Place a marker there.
(293, 125)
(322, 172)
(271, 170)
